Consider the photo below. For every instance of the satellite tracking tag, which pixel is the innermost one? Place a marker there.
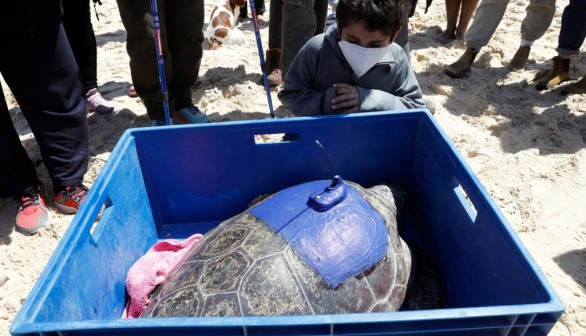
(330, 225)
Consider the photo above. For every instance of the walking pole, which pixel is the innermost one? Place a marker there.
(261, 55)
(160, 61)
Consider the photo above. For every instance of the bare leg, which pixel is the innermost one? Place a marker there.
(452, 8)
(466, 12)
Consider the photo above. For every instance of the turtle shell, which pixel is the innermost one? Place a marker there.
(243, 267)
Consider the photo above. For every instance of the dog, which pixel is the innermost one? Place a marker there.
(222, 26)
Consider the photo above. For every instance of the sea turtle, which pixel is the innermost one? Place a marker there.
(321, 247)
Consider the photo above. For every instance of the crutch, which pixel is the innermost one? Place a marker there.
(160, 61)
(262, 58)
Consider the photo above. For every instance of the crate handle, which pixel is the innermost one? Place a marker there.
(102, 217)
(272, 138)
(465, 200)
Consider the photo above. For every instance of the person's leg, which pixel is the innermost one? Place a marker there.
(243, 12)
(487, 17)
(538, 18)
(259, 5)
(573, 30)
(403, 37)
(298, 27)
(452, 9)
(184, 19)
(331, 18)
(275, 22)
(571, 38)
(466, 12)
(18, 177)
(80, 33)
(140, 45)
(273, 54)
(320, 8)
(42, 73)
(17, 172)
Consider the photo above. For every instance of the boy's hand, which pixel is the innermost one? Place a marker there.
(347, 98)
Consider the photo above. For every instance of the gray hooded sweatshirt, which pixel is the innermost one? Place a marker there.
(307, 89)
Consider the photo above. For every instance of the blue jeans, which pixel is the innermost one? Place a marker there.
(573, 29)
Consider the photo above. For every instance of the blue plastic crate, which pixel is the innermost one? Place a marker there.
(170, 182)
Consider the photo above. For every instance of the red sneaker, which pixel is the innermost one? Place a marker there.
(32, 213)
(69, 200)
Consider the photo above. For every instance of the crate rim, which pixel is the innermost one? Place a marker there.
(554, 306)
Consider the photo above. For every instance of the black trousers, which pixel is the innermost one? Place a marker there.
(77, 22)
(181, 23)
(40, 70)
(259, 6)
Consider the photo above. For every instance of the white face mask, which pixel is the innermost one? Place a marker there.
(361, 59)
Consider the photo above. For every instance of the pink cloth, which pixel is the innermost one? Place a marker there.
(151, 269)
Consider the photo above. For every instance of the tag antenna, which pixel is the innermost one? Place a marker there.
(329, 162)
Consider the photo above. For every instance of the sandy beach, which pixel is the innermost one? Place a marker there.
(528, 148)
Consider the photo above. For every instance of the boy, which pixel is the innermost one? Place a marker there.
(354, 67)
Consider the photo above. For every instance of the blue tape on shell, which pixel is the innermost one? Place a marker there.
(337, 241)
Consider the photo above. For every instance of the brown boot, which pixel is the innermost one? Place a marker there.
(578, 87)
(274, 66)
(560, 72)
(520, 59)
(462, 65)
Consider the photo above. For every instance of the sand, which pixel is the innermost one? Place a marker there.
(526, 147)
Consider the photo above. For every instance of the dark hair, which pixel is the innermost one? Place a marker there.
(378, 15)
